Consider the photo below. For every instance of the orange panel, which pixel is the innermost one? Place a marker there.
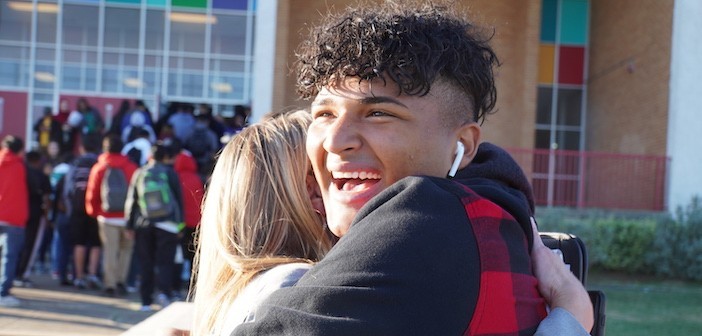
(546, 60)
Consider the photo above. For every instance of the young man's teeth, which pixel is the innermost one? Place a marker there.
(355, 175)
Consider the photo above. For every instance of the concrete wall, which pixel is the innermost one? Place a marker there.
(629, 70)
(685, 117)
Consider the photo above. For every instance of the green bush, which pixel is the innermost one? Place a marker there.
(635, 242)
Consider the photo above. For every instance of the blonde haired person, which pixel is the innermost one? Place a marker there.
(259, 230)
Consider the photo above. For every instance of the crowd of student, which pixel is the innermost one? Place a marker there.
(86, 214)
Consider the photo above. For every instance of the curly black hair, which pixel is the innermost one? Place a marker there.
(413, 45)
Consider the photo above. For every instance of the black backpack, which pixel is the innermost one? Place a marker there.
(81, 172)
(113, 190)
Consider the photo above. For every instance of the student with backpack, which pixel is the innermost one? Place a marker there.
(154, 211)
(84, 228)
(105, 198)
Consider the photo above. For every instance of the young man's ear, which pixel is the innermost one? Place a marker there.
(469, 136)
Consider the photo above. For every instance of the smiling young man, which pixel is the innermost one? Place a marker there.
(398, 93)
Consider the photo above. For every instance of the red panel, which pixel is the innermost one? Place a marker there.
(13, 114)
(571, 62)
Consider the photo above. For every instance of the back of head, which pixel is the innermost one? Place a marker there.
(257, 213)
(112, 144)
(90, 142)
(411, 44)
(13, 143)
(161, 151)
(33, 158)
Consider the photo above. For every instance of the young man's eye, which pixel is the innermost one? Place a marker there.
(321, 114)
(378, 114)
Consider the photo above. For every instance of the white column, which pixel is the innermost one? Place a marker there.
(685, 104)
(264, 58)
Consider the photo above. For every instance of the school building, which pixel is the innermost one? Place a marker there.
(597, 99)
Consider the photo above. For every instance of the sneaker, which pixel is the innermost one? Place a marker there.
(79, 283)
(163, 300)
(145, 308)
(94, 282)
(9, 301)
(131, 289)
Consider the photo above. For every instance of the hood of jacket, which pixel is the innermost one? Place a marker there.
(184, 162)
(113, 160)
(495, 175)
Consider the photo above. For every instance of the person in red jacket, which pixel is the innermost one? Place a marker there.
(14, 212)
(104, 199)
(193, 190)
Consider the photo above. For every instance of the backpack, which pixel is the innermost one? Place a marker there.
(79, 181)
(113, 190)
(156, 199)
(198, 143)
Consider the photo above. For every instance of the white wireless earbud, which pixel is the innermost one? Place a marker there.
(460, 149)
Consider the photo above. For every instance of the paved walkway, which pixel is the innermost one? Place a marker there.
(50, 309)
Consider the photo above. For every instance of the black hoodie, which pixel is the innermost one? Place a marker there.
(427, 256)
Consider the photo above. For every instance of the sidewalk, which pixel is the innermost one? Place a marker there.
(50, 309)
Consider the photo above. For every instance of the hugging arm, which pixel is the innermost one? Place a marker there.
(408, 265)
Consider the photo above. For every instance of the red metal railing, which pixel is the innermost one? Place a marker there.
(595, 179)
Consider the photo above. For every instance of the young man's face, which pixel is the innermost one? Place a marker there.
(365, 137)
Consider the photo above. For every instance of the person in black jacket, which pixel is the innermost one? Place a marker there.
(154, 211)
(399, 92)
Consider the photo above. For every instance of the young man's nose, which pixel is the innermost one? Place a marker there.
(342, 135)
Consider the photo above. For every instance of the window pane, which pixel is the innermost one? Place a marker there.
(543, 139)
(569, 106)
(110, 80)
(188, 36)
(569, 140)
(46, 27)
(9, 73)
(46, 54)
(44, 75)
(192, 85)
(15, 21)
(227, 86)
(80, 25)
(70, 77)
(229, 35)
(543, 105)
(121, 28)
(227, 65)
(154, 30)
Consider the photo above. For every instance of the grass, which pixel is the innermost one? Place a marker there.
(639, 305)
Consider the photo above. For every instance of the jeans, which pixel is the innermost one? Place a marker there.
(11, 242)
(62, 245)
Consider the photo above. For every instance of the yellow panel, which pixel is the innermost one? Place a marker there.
(546, 59)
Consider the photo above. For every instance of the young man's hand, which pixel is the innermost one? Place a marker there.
(558, 286)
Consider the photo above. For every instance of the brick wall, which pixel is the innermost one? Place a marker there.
(630, 43)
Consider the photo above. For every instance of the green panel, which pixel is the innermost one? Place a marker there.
(156, 3)
(125, 1)
(548, 20)
(574, 18)
(190, 3)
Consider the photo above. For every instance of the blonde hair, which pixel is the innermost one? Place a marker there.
(257, 214)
